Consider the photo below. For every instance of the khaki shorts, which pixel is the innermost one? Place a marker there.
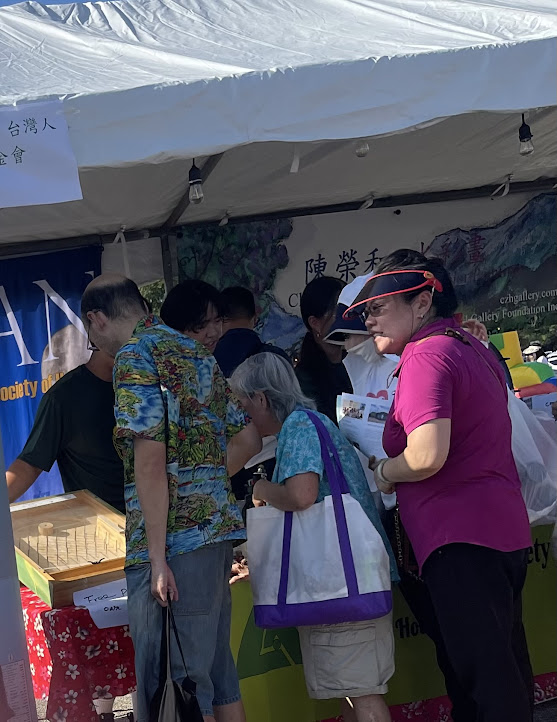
(348, 660)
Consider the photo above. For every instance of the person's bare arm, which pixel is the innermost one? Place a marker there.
(425, 454)
(296, 494)
(241, 448)
(151, 482)
(19, 478)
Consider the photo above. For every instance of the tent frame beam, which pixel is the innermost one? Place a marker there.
(543, 185)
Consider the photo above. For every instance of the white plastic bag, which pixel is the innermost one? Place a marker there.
(535, 455)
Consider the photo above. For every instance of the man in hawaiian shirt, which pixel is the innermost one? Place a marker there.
(180, 433)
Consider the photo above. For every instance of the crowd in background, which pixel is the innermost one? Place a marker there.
(201, 402)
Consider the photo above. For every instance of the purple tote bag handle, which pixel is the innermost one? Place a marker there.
(338, 486)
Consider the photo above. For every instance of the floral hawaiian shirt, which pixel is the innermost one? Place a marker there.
(170, 389)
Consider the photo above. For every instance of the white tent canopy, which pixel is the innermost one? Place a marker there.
(437, 87)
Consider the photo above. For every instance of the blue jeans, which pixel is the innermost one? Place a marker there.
(202, 615)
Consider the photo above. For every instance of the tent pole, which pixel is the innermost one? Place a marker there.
(167, 265)
(14, 658)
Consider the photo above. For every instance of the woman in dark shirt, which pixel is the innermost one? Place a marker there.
(320, 371)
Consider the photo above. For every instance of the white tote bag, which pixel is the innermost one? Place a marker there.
(325, 565)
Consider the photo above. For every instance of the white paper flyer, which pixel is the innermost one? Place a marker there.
(362, 420)
(107, 603)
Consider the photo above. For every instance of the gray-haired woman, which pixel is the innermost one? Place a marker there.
(352, 660)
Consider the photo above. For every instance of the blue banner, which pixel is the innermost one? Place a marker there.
(41, 338)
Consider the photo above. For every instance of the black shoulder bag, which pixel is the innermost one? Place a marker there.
(173, 702)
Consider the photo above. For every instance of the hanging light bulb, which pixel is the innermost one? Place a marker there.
(362, 148)
(196, 185)
(525, 136)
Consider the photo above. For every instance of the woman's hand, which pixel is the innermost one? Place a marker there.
(384, 487)
(255, 497)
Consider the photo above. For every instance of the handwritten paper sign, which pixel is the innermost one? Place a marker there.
(107, 603)
(37, 164)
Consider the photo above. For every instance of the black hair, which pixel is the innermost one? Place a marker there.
(445, 302)
(318, 377)
(186, 305)
(238, 302)
(116, 298)
(320, 298)
(148, 304)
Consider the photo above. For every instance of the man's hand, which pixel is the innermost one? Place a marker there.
(163, 584)
(379, 483)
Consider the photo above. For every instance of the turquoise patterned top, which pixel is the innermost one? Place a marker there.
(170, 389)
(299, 451)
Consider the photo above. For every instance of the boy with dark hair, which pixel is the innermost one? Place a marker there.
(195, 308)
(240, 341)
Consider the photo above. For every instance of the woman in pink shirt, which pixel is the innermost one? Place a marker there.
(448, 439)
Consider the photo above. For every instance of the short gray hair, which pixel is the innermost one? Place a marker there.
(273, 376)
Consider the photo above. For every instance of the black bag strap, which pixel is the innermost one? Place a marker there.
(170, 617)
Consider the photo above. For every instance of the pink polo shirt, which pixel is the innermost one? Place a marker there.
(475, 498)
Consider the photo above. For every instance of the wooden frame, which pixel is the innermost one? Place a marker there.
(67, 543)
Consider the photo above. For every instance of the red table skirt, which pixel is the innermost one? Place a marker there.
(74, 662)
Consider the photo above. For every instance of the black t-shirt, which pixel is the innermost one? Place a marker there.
(74, 426)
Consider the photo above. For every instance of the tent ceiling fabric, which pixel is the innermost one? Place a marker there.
(149, 84)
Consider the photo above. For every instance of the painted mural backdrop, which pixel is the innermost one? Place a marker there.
(249, 255)
(505, 273)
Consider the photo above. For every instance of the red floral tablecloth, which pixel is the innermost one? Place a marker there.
(74, 662)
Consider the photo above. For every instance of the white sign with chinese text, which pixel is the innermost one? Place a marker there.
(37, 164)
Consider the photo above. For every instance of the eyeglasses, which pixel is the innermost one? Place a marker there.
(90, 345)
(373, 312)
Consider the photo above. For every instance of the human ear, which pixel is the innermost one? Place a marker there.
(422, 304)
(315, 324)
(260, 399)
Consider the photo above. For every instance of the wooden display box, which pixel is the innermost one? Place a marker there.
(67, 543)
